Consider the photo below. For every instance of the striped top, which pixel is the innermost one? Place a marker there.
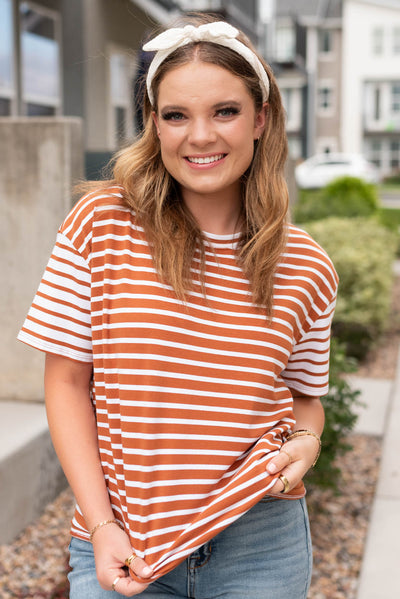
(191, 399)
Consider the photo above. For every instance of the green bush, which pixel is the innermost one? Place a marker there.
(339, 419)
(363, 252)
(348, 197)
(390, 218)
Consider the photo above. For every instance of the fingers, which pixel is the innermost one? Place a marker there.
(125, 585)
(138, 566)
(289, 466)
(282, 485)
(279, 462)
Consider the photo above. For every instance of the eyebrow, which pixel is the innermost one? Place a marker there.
(176, 107)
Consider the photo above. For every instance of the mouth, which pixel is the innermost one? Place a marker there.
(205, 159)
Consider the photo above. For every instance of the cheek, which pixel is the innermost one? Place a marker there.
(246, 151)
(169, 155)
(169, 142)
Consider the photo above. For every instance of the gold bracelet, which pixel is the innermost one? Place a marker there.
(104, 523)
(302, 433)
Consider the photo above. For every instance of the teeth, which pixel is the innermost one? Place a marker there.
(205, 160)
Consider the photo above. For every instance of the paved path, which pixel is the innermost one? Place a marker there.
(390, 198)
(380, 572)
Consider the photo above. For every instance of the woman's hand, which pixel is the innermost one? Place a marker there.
(111, 548)
(293, 461)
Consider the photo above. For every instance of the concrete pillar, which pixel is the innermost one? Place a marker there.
(40, 160)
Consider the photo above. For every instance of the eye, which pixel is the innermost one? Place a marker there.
(227, 111)
(172, 115)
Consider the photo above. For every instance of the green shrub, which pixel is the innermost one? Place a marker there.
(363, 252)
(345, 197)
(339, 419)
(390, 218)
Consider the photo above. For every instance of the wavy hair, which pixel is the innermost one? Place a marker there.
(154, 195)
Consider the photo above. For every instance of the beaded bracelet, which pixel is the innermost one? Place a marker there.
(104, 523)
(302, 433)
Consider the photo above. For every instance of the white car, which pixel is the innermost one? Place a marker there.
(319, 170)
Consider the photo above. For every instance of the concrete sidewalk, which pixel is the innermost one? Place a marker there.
(379, 575)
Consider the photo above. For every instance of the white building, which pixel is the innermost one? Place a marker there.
(338, 67)
(370, 121)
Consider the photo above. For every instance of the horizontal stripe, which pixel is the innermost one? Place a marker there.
(192, 398)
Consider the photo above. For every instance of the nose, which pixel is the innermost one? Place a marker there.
(202, 132)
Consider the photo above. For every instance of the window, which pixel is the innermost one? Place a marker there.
(325, 99)
(395, 98)
(395, 155)
(396, 40)
(40, 61)
(287, 100)
(7, 83)
(377, 41)
(326, 146)
(285, 44)
(325, 41)
(375, 152)
(294, 146)
(121, 85)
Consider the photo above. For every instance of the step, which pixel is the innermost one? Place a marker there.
(30, 474)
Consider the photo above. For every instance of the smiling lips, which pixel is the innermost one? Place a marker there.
(205, 159)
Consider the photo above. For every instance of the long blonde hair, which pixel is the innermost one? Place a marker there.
(154, 195)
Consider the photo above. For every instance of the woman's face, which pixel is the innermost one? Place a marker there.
(207, 123)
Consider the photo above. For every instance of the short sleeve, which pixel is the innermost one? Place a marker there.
(307, 370)
(59, 319)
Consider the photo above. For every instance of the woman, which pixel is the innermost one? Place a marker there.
(186, 328)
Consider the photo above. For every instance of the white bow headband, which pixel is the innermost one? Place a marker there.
(218, 32)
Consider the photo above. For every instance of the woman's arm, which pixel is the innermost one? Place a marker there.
(297, 455)
(73, 430)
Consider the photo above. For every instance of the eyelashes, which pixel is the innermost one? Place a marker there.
(172, 116)
(228, 111)
(225, 112)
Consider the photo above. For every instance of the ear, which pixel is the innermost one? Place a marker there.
(155, 121)
(260, 121)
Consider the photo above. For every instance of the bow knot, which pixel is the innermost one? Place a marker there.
(178, 36)
(218, 32)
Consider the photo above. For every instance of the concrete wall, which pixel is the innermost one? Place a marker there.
(40, 160)
(30, 473)
(108, 24)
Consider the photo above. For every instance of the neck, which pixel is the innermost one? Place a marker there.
(219, 214)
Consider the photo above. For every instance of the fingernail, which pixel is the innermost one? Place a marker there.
(271, 468)
(147, 571)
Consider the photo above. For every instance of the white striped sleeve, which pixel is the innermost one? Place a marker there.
(307, 370)
(59, 320)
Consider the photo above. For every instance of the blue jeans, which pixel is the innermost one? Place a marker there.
(265, 554)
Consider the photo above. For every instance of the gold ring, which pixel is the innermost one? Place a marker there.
(286, 483)
(130, 559)
(115, 582)
(288, 455)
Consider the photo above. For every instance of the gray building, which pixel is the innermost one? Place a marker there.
(82, 58)
(307, 58)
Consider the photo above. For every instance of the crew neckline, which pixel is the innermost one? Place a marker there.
(231, 240)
